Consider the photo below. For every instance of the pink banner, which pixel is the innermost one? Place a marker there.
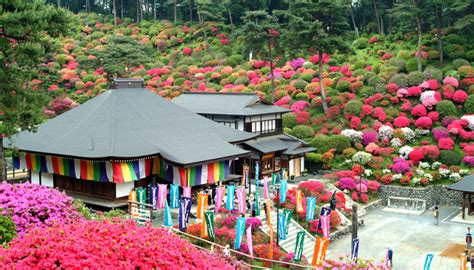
(162, 192)
(249, 240)
(187, 192)
(326, 226)
(218, 198)
(242, 206)
(265, 187)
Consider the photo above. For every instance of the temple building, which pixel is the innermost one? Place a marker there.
(128, 137)
(246, 112)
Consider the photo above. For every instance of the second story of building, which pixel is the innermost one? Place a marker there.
(242, 111)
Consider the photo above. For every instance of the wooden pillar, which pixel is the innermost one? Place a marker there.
(463, 205)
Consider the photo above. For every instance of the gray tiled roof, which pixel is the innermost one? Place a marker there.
(465, 185)
(281, 142)
(132, 122)
(241, 104)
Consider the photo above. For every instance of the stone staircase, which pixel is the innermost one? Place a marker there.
(289, 244)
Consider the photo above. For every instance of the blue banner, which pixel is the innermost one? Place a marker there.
(230, 197)
(257, 172)
(174, 196)
(283, 188)
(153, 195)
(428, 260)
(310, 208)
(168, 221)
(239, 232)
(184, 209)
(281, 226)
(355, 249)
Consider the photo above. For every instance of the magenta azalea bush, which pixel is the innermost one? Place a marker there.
(31, 205)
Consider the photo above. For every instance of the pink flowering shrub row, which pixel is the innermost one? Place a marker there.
(31, 205)
(99, 245)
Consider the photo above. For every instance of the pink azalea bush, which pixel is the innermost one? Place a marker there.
(31, 205)
(99, 245)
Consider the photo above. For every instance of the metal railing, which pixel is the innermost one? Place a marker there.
(249, 258)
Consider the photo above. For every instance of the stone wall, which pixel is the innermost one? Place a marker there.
(432, 194)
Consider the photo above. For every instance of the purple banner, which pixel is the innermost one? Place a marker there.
(184, 210)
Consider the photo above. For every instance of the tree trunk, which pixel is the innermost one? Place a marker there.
(59, 3)
(321, 85)
(230, 17)
(364, 20)
(87, 7)
(353, 21)
(121, 10)
(439, 21)
(141, 8)
(138, 11)
(115, 12)
(418, 26)
(175, 11)
(154, 10)
(376, 13)
(190, 7)
(271, 69)
(3, 164)
(381, 26)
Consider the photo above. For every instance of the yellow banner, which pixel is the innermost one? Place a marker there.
(320, 250)
(269, 211)
(204, 229)
(299, 201)
(463, 262)
(202, 205)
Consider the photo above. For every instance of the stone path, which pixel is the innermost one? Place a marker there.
(411, 238)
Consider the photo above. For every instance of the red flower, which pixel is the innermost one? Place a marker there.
(373, 39)
(424, 122)
(459, 96)
(445, 143)
(419, 110)
(416, 155)
(187, 51)
(401, 121)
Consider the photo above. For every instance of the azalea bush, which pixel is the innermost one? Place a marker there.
(95, 244)
(31, 205)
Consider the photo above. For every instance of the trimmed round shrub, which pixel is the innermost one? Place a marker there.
(469, 105)
(353, 107)
(320, 142)
(401, 80)
(289, 120)
(339, 142)
(300, 84)
(360, 43)
(399, 63)
(450, 157)
(302, 96)
(470, 55)
(454, 51)
(433, 73)
(302, 132)
(233, 60)
(446, 108)
(459, 63)
(342, 86)
(7, 229)
(415, 78)
(412, 65)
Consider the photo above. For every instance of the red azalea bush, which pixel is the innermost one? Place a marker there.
(416, 156)
(446, 143)
(386, 179)
(311, 188)
(99, 245)
(459, 96)
(424, 122)
(401, 121)
(419, 110)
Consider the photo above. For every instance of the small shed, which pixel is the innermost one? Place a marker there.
(466, 186)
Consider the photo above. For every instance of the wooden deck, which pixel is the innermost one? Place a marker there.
(118, 203)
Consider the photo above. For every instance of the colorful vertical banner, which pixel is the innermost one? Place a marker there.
(201, 205)
(257, 173)
(241, 203)
(324, 212)
(299, 201)
(204, 232)
(209, 217)
(355, 249)
(283, 189)
(325, 226)
(320, 250)
(265, 188)
(310, 208)
(281, 226)
(299, 246)
(184, 209)
(187, 192)
(284, 174)
(428, 260)
(245, 177)
(287, 213)
(218, 198)
(270, 250)
(239, 232)
(162, 193)
(249, 240)
(257, 203)
(141, 195)
(269, 213)
(174, 196)
(275, 178)
(230, 197)
(463, 262)
(133, 196)
(168, 220)
(153, 195)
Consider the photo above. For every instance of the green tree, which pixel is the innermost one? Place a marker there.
(122, 54)
(259, 31)
(409, 14)
(26, 30)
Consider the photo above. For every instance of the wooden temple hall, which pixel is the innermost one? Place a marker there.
(124, 138)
